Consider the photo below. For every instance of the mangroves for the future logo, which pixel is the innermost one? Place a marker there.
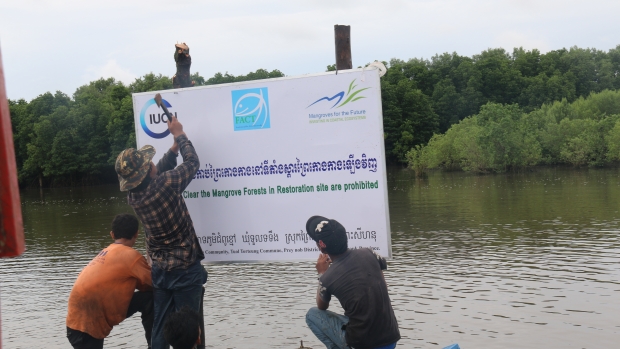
(352, 95)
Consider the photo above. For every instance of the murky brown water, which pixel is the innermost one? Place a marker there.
(505, 261)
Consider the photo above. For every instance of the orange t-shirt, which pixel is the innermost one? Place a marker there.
(101, 294)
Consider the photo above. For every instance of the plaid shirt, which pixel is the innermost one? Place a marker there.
(170, 236)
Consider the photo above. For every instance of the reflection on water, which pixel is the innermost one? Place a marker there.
(506, 261)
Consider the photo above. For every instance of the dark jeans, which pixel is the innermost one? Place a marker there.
(141, 301)
(81, 340)
(172, 290)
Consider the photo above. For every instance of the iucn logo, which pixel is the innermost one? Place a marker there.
(153, 120)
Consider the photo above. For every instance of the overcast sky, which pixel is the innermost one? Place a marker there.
(63, 44)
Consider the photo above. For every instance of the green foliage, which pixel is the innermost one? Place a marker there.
(150, 82)
(220, 78)
(597, 105)
(503, 137)
(25, 118)
(586, 142)
(612, 140)
(409, 119)
(198, 79)
(456, 149)
(507, 140)
(470, 154)
(66, 141)
(495, 111)
(459, 86)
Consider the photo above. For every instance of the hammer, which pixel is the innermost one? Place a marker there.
(160, 103)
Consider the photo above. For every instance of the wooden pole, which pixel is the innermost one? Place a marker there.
(342, 34)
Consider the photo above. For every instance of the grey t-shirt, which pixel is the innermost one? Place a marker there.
(356, 279)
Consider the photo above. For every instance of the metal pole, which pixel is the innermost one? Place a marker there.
(342, 34)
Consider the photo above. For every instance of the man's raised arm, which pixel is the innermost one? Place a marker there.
(182, 175)
(169, 160)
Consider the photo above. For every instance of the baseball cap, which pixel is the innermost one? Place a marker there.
(319, 227)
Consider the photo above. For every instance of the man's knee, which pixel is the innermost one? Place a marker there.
(146, 297)
(313, 314)
(141, 301)
(149, 303)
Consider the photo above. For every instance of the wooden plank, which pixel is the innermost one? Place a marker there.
(11, 226)
(342, 34)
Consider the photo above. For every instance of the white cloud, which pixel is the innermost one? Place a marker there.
(111, 69)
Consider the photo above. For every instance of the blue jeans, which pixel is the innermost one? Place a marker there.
(327, 327)
(172, 290)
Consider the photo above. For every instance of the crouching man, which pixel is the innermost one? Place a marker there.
(355, 277)
(103, 294)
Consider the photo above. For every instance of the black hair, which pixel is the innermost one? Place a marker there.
(181, 329)
(336, 243)
(145, 183)
(125, 226)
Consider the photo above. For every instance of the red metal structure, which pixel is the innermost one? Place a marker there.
(11, 226)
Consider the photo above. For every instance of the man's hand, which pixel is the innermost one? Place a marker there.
(175, 127)
(323, 263)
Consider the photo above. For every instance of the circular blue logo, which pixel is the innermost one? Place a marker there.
(146, 106)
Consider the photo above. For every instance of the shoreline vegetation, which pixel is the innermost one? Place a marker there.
(493, 112)
(505, 138)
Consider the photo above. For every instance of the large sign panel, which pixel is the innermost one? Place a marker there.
(272, 154)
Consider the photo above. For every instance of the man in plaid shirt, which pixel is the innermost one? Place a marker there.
(155, 194)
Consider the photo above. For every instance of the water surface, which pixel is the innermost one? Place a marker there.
(529, 260)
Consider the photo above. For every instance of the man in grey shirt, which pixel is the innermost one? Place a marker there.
(355, 277)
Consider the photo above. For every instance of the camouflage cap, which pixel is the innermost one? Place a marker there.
(133, 165)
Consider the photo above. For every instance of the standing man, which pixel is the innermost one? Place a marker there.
(155, 193)
(355, 277)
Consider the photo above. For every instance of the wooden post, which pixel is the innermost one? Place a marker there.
(342, 34)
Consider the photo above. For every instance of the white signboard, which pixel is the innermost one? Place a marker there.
(272, 154)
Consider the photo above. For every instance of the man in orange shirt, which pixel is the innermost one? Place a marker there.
(103, 294)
